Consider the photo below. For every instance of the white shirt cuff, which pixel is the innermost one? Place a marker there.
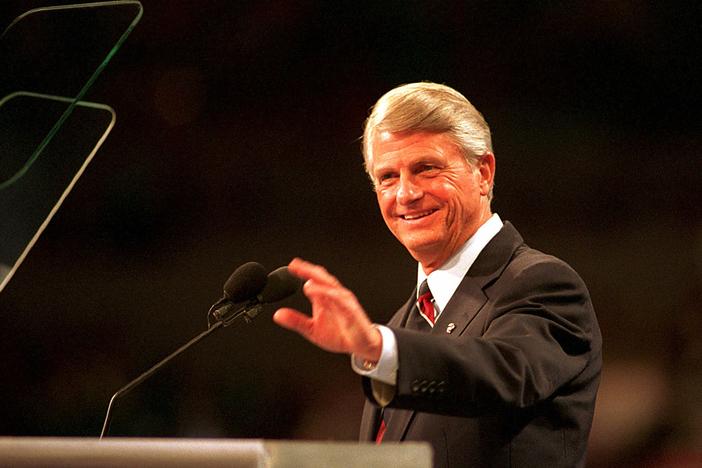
(385, 370)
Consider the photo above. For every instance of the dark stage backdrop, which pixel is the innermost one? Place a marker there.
(237, 139)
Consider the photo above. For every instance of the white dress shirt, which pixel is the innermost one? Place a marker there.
(443, 282)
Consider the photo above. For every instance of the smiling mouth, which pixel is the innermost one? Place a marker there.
(413, 216)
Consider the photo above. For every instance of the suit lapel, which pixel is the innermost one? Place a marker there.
(464, 305)
(469, 298)
(399, 319)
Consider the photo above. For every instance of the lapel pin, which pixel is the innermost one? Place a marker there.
(451, 326)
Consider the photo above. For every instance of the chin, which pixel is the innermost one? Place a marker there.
(420, 247)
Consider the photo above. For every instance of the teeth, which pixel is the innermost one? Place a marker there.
(417, 216)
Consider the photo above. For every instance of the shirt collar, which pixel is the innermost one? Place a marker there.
(444, 281)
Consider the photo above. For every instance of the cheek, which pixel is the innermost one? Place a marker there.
(457, 201)
(445, 191)
(385, 202)
(468, 203)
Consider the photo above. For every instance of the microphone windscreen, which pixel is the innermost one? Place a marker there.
(246, 282)
(281, 284)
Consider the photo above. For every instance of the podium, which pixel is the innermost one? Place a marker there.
(54, 452)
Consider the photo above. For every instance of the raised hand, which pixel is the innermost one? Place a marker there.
(338, 322)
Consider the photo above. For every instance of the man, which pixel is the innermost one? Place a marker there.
(497, 363)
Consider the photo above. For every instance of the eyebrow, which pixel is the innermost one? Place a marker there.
(415, 161)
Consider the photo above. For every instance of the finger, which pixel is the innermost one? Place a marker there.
(339, 302)
(335, 294)
(308, 270)
(293, 320)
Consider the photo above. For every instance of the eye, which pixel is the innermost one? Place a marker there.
(427, 168)
(386, 177)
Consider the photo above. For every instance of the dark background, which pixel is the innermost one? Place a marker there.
(237, 139)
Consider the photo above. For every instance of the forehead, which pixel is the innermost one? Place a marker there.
(390, 147)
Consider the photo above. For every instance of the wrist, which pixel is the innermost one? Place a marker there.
(374, 349)
(385, 369)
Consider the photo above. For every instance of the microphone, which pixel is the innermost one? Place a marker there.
(281, 284)
(250, 285)
(243, 285)
(278, 285)
(247, 281)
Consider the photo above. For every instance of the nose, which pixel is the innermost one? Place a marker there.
(408, 190)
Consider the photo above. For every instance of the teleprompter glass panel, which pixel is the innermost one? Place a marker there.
(50, 57)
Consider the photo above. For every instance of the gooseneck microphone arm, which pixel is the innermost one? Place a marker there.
(127, 388)
(248, 285)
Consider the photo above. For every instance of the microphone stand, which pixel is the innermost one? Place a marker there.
(248, 312)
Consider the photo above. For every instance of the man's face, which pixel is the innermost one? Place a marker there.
(430, 197)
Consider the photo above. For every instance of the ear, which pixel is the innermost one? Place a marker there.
(486, 168)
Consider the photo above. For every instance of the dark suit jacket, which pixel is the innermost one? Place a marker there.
(514, 384)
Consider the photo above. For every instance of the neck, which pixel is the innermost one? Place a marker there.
(432, 261)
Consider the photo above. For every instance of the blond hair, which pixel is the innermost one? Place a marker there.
(428, 107)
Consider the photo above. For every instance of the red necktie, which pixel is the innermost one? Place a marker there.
(381, 431)
(425, 303)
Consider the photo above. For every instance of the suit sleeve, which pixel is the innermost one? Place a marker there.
(535, 334)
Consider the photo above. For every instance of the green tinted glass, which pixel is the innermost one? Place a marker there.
(50, 57)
